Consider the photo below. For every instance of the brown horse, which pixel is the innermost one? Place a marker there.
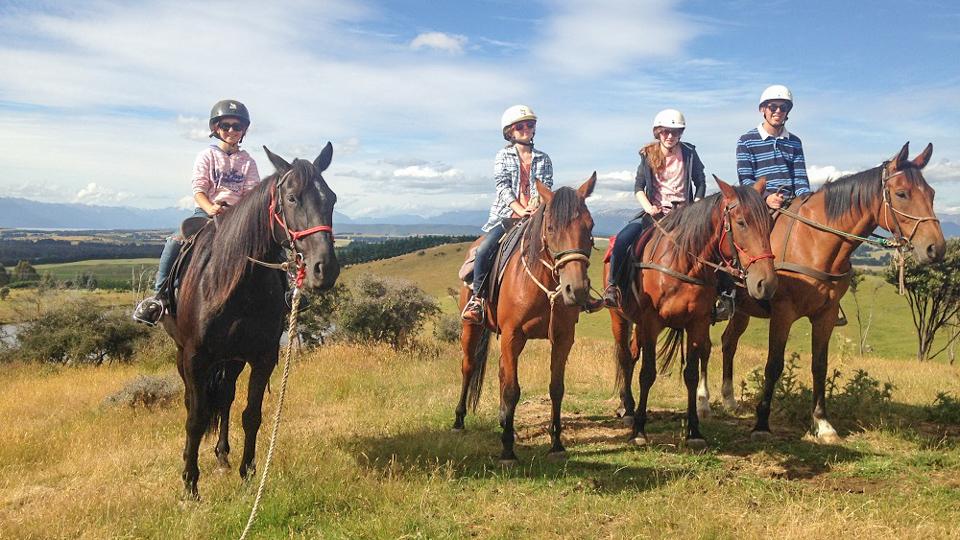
(677, 289)
(231, 312)
(551, 263)
(813, 262)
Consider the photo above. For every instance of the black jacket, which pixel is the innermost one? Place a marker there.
(692, 166)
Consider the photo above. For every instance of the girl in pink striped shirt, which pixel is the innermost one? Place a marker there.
(222, 175)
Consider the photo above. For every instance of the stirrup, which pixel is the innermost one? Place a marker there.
(725, 306)
(612, 297)
(149, 311)
(473, 311)
(841, 317)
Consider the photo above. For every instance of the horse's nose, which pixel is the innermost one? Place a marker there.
(935, 252)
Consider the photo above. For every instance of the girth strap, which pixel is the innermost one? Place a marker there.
(812, 272)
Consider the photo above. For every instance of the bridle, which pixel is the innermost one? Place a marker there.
(738, 252)
(901, 242)
(560, 259)
(296, 259)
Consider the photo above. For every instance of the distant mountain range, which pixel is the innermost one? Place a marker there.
(18, 213)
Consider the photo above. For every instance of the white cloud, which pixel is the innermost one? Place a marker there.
(418, 171)
(449, 43)
(819, 175)
(186, 202)
(96, 194)
(942, 172)
(619, 177)
(588, 38)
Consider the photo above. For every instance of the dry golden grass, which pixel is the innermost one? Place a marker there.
(364, 451)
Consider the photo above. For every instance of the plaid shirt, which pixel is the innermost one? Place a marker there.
(506, 174)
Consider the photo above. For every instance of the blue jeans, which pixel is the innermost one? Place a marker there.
(485, 254)
(625, 240)
(171, 250)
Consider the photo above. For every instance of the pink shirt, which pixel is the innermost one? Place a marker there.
(670, 186)
(225, 178)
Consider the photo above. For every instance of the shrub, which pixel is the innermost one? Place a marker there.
(861, 399)
(447, 328)
(79, 332)
(945, 409)
(4, 293)
(148, 391)
(387, 310)
(317, 322)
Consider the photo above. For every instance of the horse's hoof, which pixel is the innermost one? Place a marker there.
(828, 437)
(509, 463)
(560, 455)
(703, 413)
(456, 429)
(627, 420)
(696, 444)
(760, 436)
(639, 440)
(730, 404)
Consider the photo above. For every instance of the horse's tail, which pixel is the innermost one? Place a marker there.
(670, 348)
(215, 386)
(479, 358)
(622, 332)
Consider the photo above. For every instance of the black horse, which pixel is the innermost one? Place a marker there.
(231, 310)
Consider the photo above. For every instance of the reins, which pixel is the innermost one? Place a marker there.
(901, 244)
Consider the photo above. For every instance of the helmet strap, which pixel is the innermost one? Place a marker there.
(528, 144)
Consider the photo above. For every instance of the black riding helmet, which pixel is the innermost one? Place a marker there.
(228, 107)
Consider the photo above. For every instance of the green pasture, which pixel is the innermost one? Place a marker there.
(110, 269)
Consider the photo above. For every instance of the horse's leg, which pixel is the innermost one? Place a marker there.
(511, 345)
(225, 395)
(780, 323)
(703, 388)
(698, 351)
(731, 337)
(822, 330)
(622, 329)
(469, 340)
(647, 335)
(198, 420)
(558, 365)
(252, 415)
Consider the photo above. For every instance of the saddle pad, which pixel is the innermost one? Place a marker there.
(508, 245)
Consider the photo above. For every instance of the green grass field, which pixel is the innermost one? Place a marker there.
(365, 450)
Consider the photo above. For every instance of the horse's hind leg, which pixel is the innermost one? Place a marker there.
(252, 415)
(731, 337)
(626, 361)
(558, 364)
(511, 345)
(698, 350)
(225, 395)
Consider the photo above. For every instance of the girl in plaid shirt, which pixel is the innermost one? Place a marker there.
(515, 169)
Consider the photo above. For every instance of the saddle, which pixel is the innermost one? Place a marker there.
(508, 245)
(189, 229)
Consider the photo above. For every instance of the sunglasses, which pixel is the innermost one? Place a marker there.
(774, 107)
(529, 124)
(239, 128)
(666, 132)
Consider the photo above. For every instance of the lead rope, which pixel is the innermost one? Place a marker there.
(291, 333)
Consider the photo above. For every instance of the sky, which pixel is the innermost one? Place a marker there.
(107, 102)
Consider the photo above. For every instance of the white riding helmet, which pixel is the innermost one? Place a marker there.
(777, 91)
(669, 118)
(515, 114)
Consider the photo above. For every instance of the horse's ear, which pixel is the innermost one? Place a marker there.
(896, 163)
(545, 194)
(323, 160)
(278, 162)
(924, 157)
(587, 188)
(760, 185)
(728, 192)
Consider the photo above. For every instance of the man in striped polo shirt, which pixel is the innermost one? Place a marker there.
(770, 151)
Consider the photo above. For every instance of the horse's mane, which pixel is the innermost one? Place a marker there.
(221, 255)
(694, 227)
(564, 208)
(858, 191)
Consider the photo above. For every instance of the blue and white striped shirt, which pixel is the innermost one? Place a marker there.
(506, 174)
(779, 159)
